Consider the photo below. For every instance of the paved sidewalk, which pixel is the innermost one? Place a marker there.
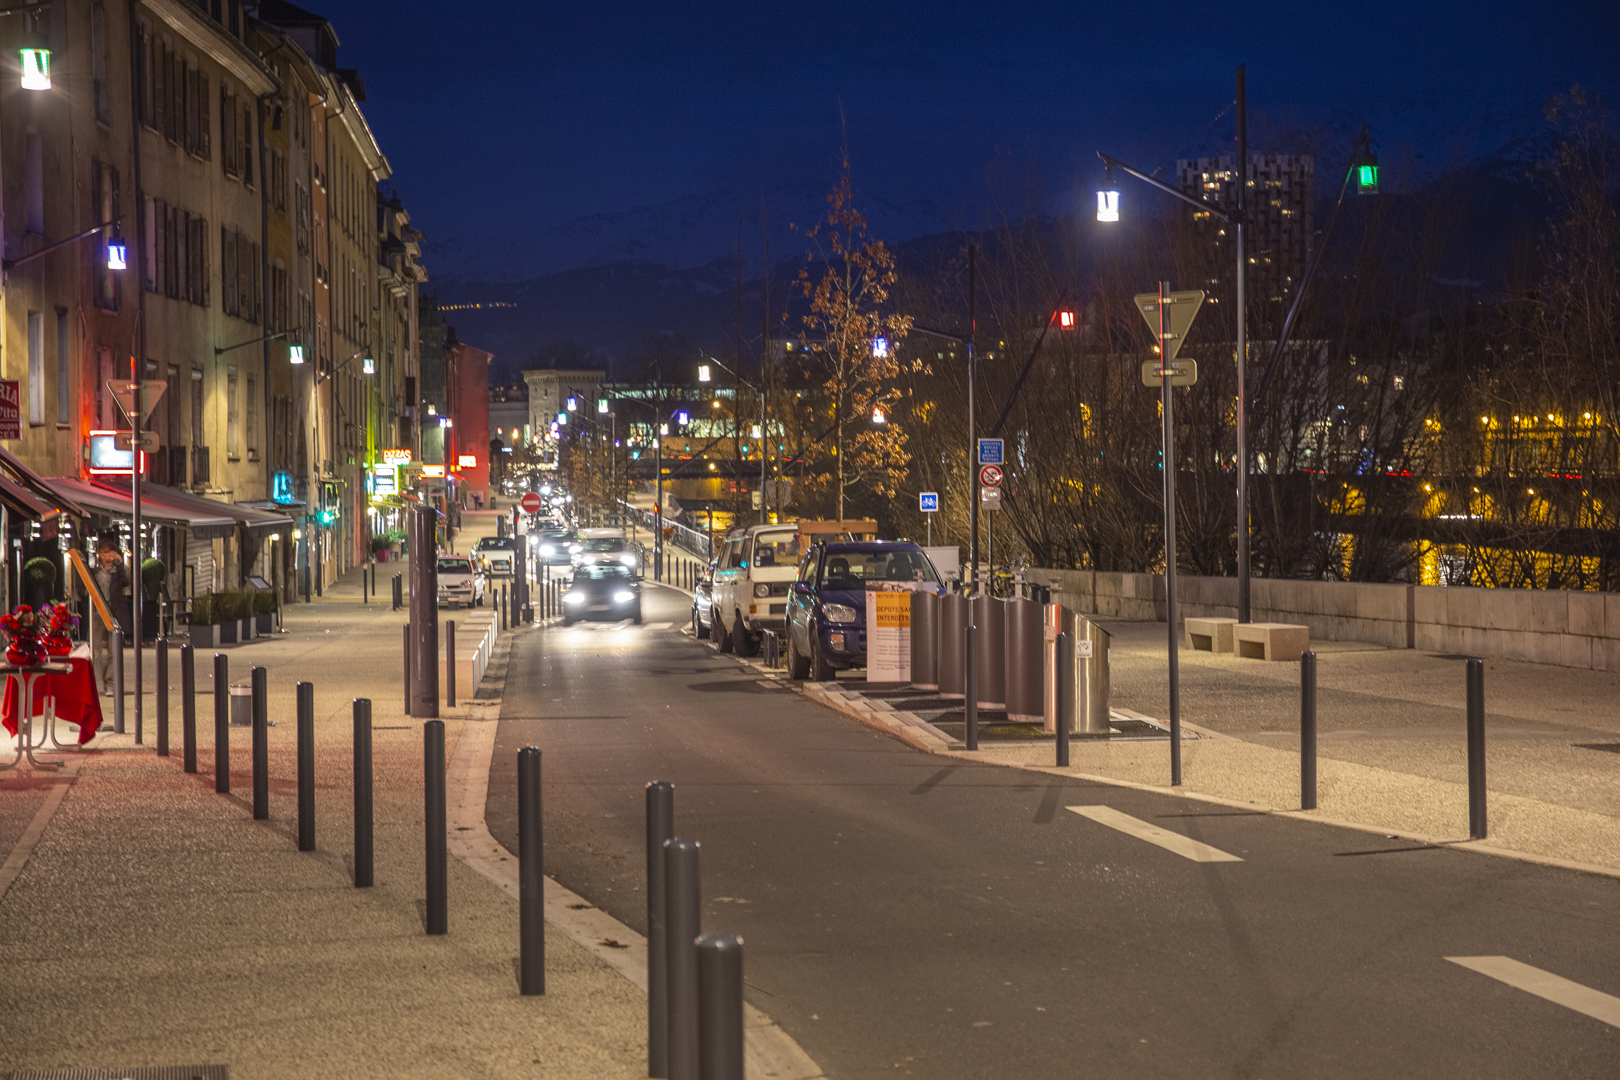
(1392, 746)
(155, 923)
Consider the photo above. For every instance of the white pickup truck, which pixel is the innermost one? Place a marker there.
(751, 585)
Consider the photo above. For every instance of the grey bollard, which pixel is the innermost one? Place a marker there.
(531, 876)
(118, 681)
(222, 724)
(925, 640)
(683, 922)
(407, 669)
(261, 746)
(1059, 690)
(720, 1007)
(660, 827)
(162, 696)
(450, 663)
(1476, 749)
(363, 821)
(1025, 660)
(970, 691)
(435, 828)
(306, 766)
(500, 607)
(953, 620)
(1307, 731)
(188, 708)
(1062, 652)
(990, 651)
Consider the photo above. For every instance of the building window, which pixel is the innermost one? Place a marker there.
(197, 408)
(98, 61)
(36, 367)
(252, 424)
(245, 146)
(104, 195)
(227, 263)
(64, 370)
(229, 141)
(233, 414)
(34, 163)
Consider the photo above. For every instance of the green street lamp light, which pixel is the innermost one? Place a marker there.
(36, 65)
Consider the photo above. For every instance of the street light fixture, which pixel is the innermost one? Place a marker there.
(703, 373)
(602, 406)
(36, 65)
(880, 347)
(877, 415)
(1108, 205)
(295, 353)
(573, 403)
(368, 366)
(117, 252)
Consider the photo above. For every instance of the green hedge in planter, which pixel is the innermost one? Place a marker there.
(231, 605)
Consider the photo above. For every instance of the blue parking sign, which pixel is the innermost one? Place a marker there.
(990, 452)
(929, 501)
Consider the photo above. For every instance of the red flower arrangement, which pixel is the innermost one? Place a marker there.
(22, 626)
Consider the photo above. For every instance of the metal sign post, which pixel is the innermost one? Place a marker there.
(928, 503)
(1170, 315)
(136, 400)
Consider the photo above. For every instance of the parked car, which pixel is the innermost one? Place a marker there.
(604, 592)
(826, 613)
(751, 584)
(496, 555)
(703, 602)
(603, 547)
(461, 581)
(554, 547)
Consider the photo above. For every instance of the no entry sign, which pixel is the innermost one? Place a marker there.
(531, 503)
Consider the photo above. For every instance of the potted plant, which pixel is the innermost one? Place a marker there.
(382, 546)
(264, 612)
(39, 579)
(204, 621)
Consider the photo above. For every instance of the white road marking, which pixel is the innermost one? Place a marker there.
(1544, 984)
(1181, 845)
(658, 626)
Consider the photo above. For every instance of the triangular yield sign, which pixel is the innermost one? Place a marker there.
(123, 392)
(1180, 307)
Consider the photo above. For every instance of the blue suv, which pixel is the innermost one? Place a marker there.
(826, 609)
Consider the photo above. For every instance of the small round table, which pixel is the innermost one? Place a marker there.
(26, 677)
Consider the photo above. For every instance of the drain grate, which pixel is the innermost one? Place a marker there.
(148, 1072)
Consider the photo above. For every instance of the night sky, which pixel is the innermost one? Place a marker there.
(513, 128)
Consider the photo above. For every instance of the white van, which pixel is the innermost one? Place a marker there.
(754, 575)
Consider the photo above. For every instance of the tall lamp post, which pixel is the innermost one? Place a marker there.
(704, 376)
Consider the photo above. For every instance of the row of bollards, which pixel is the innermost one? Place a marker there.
(694, 980)
(1475, 684)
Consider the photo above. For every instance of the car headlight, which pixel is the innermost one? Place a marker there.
(762, 590)
(628, 558)
(840, 613)
(623, 597)
(575, 547)
(546, 549)
(574, 598)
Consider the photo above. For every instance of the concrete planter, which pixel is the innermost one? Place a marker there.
(205, 637)
(264, 624)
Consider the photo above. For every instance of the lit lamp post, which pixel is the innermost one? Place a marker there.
(760, 431)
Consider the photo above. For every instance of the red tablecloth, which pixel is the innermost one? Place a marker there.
(75, 694)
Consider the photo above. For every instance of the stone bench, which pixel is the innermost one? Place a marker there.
(1209, 635)
(1271, 641)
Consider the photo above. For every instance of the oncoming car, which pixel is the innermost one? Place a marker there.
(606, 592)
(554, 547)
(461, 581)
(608, 547)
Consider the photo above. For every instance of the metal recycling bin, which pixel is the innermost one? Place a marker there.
(241, 704)
(925, 640)
(990, 653)
(1025, 660)
(953, 621)
(1085, 680)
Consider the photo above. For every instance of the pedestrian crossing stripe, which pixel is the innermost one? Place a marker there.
(622, 624)
(1184, 846)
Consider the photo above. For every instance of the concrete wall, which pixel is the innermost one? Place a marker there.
(1571, 629)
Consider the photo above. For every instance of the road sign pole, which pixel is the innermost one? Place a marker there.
(137, 421)
(1169, 445)
(972, 576)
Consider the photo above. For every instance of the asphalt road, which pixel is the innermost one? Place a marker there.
(909, 915)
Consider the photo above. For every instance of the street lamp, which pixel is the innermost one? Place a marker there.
(36, 64)
(117, 252)
(295, 353)
(877, 415)
(1108, 205)
(880, 347)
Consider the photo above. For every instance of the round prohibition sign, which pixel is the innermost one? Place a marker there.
(990, 476)
(531, 503)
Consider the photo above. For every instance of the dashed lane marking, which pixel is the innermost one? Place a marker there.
(1544, 984)
(1185, 847)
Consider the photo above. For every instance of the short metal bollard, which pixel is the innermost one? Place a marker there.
(500, 607)
(1307, 731)
(306, 766)
(1476, 749)
(162, 696)
(1064, 644)
(683, 922)
(407, 629)
(363, 835)
(450, 663)
(118, 681)
(970, 677)
(399, 592)
(261, 747)
(720, 1007)
(660, 827)
(433, 806)
(222, 724)
(531, 875)
(188, 708)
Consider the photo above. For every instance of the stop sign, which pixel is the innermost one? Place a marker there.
(531, 503)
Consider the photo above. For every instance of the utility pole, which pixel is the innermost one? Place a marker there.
(1167, 403)
(1242, 355)
(973, 435)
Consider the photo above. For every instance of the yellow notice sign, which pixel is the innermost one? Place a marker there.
(893, 610)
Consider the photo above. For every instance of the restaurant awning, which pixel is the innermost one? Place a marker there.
(205, 522)
(257, 522)
(47, 491)
(20, 500)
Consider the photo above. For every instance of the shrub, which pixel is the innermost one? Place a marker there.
(152, 574)
(264, 602)
(40, 571)
(202, 610)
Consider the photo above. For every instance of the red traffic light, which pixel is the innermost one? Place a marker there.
(1065, 320)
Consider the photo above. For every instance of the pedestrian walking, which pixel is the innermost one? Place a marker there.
(112, 581)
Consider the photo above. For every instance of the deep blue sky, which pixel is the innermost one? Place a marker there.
(507, 121)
